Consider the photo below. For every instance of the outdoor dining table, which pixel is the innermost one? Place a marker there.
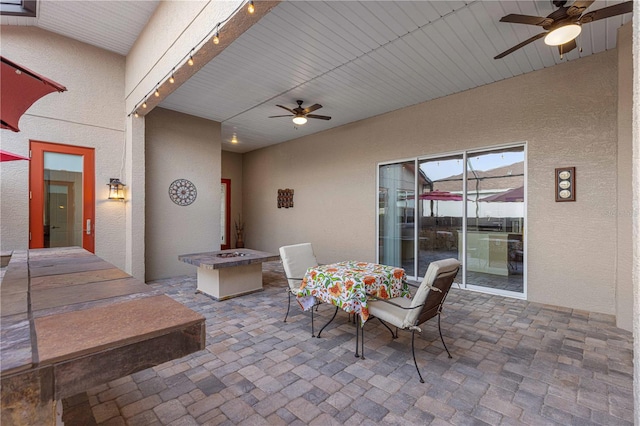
(349, 285)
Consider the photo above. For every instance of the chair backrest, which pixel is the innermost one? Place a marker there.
(296, 259)
(440, 275)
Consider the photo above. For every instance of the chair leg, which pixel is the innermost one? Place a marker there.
(332, 318)
(313, 333)
(413, 352)
(440, 331)
(395, 336)
(288, 306)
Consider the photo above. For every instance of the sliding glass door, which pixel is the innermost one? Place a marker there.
(495, 220)
(396, 215)
(440, 209)
(468, 206)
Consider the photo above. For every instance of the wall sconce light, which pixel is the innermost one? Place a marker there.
(116, 189)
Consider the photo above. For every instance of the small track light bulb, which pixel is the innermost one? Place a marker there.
(157, 93)
(190, 61)
(216, 38)
(251, 8)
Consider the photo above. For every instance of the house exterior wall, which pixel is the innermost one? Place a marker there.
(180, 146)
(635, 216)
(624, 207)
(172, 31)
(571, 246)
(88, 114)
(232, 169)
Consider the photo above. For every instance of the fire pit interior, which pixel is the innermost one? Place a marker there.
(234, 254)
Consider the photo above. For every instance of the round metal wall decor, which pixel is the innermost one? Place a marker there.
(182, 192)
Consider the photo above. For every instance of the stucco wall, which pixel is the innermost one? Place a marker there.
(232, 169)
(89, 114)
(173, 30)
(623, 212)
(180, 146)
(567, 114)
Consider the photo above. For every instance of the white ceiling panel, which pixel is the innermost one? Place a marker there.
(111, 25)
(356, 58)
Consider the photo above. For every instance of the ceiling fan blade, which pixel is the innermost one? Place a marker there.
(288, 109)
(277, 116)
(320, 117)
(607, 12)
(563, 49)
(578, 7)
(518, 46)
(312, 108)
(526, 19)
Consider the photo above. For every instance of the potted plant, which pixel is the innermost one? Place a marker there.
(239, 232)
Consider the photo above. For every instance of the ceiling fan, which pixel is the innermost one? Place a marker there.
(564, 24)
(300, 114)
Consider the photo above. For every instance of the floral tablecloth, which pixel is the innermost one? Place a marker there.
(348, 284)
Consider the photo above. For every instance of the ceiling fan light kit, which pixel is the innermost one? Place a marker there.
(562, 35)
(564, 24)
(300, 120)
(300, 115)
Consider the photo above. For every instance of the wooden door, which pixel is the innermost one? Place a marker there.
(62, 199)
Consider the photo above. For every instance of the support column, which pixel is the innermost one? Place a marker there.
(135, 199)
(636, 214)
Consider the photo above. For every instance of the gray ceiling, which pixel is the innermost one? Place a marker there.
(357, 59)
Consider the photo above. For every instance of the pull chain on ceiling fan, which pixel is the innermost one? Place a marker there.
(564, 24)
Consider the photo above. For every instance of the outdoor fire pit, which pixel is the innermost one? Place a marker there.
(234, 254)
(229, 273)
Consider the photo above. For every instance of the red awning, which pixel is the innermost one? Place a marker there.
(8, 156)
(20, 88)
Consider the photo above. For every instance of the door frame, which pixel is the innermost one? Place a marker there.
(36, 190)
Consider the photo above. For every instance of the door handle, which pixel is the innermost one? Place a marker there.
(88, 226)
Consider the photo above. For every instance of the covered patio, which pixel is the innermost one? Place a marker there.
(514, 362)
(173, 93)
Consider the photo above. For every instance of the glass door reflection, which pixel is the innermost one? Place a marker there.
(62, 200)
(396, 215)
(495, 218)
(440, 210)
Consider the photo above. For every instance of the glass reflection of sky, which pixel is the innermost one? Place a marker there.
(439, 169)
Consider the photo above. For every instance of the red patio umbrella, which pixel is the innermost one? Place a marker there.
(511, 196)
(8, 156)
(19, 89)
(438, 195)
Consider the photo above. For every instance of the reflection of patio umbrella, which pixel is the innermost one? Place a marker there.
(7, 156)
(515, 195)
(439, 196)
(20, 88)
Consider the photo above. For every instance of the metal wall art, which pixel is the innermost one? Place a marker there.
(566, 184)
(182, 192)
(285, 198)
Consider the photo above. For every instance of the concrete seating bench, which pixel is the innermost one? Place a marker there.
(71, 321)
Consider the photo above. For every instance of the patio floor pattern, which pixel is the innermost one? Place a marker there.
(514, 362)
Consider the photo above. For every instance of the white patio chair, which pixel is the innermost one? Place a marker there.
(408, 314)
(296, 259)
